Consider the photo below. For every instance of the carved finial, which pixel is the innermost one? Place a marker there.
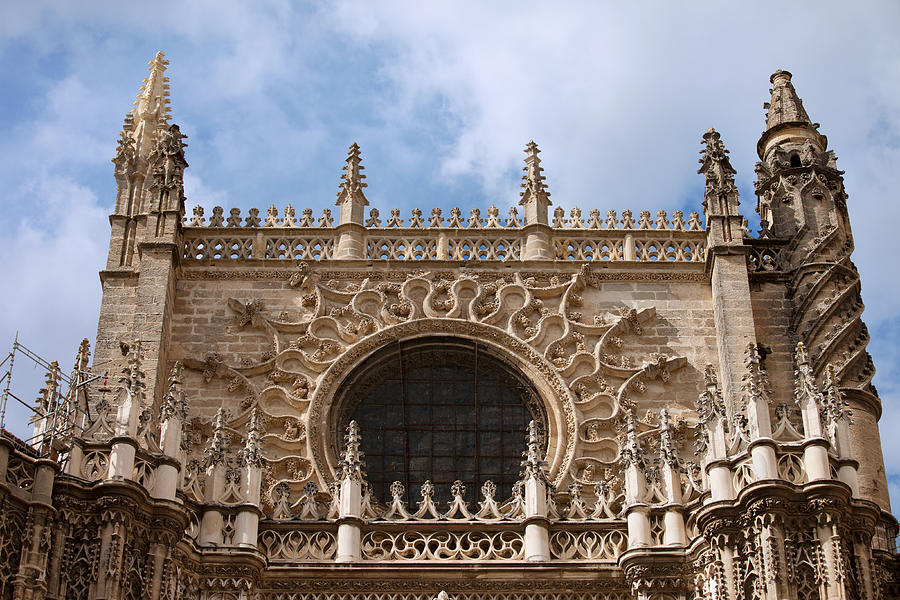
(174, 403)
(534, 466)
(833, 403)
(352, 184)
(710, 403)
(352, 463)
(132, 378)
(632, 452)
(716, 167)
(668, 443)
(152, 101)
(785, 106)
(47, 400)
(535, 196)
(804, 380)
(82, 357)
(755, 381)
(217, 450)
(251, 455)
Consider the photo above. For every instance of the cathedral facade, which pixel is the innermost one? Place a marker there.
(541, 404)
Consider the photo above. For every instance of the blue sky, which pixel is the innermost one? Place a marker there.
(442, 97)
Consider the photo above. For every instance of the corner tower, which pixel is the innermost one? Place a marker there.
(145, 232)
(802, 201)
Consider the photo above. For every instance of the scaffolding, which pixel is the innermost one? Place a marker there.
(58, 417)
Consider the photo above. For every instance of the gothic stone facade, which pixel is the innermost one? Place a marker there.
(695, 386)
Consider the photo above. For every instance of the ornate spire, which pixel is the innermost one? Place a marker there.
(132, 378)
(632, 452)
(715, 166)
(151, 113)
(152, 102)
(352, 184)
(174, 403)
(710, 403)
(755, 381)
(668, 442)
(804, 381)
(251, 455)
(352, 464)
(785, 106)
(217, 450)
(534, 182)
(533, 466)
(833, 403)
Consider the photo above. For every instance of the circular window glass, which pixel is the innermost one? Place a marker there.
(439, 409)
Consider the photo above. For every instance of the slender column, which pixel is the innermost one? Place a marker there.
(712, 412)
(350, 509)
(537, 532)
(637, 512)
(756, 398)
(172, 414)
(839, 429)
(247, 522)
(534, 202)
(673, 519)
(809, 399)
(124, 444)
(216, 455)
(350, 232)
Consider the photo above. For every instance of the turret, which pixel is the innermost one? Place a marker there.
(802, 203)
(799, 187)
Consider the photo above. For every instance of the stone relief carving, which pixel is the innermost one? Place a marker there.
(578, 358)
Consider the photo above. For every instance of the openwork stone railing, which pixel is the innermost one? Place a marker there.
(294, 543)
(456, 238)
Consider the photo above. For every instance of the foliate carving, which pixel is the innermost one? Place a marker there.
(352, 463)
(716, 167)
(352, 184)
(174, 402)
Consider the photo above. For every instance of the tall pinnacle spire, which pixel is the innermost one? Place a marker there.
(153, 99)
(786, 106)
(152, 111)
(350, 196)
(787, 122)
(535, 197)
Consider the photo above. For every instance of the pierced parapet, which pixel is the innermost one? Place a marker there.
(352, 464)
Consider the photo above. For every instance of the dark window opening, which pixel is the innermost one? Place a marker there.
(795, 160)
(439, 409)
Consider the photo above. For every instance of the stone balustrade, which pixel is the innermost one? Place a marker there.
(287, 237)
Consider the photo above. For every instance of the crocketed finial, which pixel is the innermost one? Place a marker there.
(533, 465)
(534, 183)
(352, 184)
(352, 463)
